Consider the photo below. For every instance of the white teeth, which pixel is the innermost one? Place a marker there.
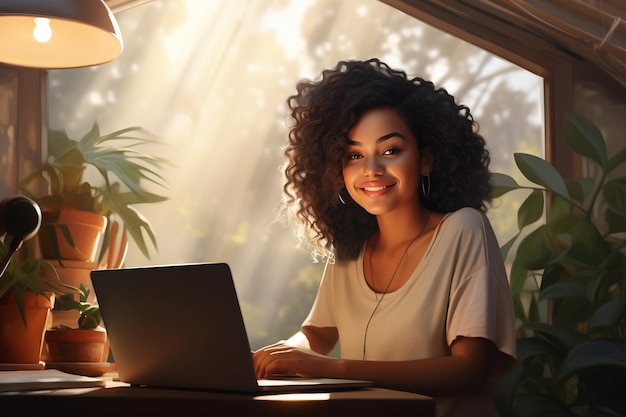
(375, 188)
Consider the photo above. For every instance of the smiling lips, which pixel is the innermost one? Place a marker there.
(376, 189)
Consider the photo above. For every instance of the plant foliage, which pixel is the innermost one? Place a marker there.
(25, 273)
(90, 317)
(122, 169)
(569, 254)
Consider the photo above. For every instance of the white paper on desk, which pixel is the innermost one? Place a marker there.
(45, 379)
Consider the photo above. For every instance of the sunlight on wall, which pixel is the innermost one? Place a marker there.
(211, 79)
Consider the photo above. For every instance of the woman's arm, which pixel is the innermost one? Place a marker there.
(465, 371)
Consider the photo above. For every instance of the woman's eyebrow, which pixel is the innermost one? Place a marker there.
(381, 139)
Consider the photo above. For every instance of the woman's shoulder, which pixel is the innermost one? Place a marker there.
(466, 216)
(469, 229)
(466, 223)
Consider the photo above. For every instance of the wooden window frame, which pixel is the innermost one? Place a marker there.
(494, 33)
(29, 115)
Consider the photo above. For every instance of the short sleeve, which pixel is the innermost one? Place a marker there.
(479, 308)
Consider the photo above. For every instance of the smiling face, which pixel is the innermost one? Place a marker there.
(382, 163)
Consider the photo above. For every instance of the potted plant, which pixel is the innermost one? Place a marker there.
(569, 258)
(90, 189)
(80, 349)
(122, 170)
(28, 289)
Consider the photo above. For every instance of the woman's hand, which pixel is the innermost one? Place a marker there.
(287, 359)
(464, 372)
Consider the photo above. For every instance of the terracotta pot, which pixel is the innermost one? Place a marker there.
(85, 229)
(20, 343)
(76, 345)
(75, 273)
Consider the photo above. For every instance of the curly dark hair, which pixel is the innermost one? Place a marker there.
(325, 110)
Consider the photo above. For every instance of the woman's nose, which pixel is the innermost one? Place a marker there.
(373, 166)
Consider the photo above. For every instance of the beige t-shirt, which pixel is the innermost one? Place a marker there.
(459, 288)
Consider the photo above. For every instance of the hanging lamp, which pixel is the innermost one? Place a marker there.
(55, 34)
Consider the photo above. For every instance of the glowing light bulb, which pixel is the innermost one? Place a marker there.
(42, 32)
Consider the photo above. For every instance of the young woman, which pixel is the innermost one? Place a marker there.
(388, 179)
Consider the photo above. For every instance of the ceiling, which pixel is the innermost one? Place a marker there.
(591, 30)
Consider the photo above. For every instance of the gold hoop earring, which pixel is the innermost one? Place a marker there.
(426, 185)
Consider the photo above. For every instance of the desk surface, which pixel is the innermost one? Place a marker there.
(121, 399)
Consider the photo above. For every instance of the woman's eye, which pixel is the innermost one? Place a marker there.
(353, 156)
(391, 151)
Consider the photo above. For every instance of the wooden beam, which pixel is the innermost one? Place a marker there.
(120, 5)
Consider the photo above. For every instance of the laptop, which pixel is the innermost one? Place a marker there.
(180, 326)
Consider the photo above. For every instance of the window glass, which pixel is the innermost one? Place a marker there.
(211, 79)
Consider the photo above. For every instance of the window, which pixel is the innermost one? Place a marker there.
(212, 79)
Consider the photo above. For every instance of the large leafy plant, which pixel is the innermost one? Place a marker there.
(120, 171)
(569, 264)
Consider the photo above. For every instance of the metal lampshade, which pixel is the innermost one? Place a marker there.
(56, 34)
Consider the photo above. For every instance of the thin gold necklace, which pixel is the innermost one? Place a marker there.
(390, 280)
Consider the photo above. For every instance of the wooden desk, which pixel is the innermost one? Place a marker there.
(119, 399)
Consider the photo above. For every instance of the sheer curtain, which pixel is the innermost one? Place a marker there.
(211, 78)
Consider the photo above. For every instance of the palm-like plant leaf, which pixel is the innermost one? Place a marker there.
(124, 173)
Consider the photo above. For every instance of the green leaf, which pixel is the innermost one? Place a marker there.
(533, 309)
(130, 167)
(141, 197)
(616, 219)
(520, 310)
(502, 184)
(615, 196)
(121, 166)
(59, 143)
(586, 139)
(608, 314)
(541, 405)
(90, 318)
(615, 192)
(50, 233)
(561, 339)
(542, 173)
(616, 160)
(518, 277)
(559, 208)
(25, 273)
(582, 233)
(533, 346)
(90, 138)
(577, 257)
(570, 312)
(531, 209)
(554, 272)
(537, 249)
(563, 289)
(505, 391)
(506, 248)
(593, 353)
(579, 188)
(136, 224)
